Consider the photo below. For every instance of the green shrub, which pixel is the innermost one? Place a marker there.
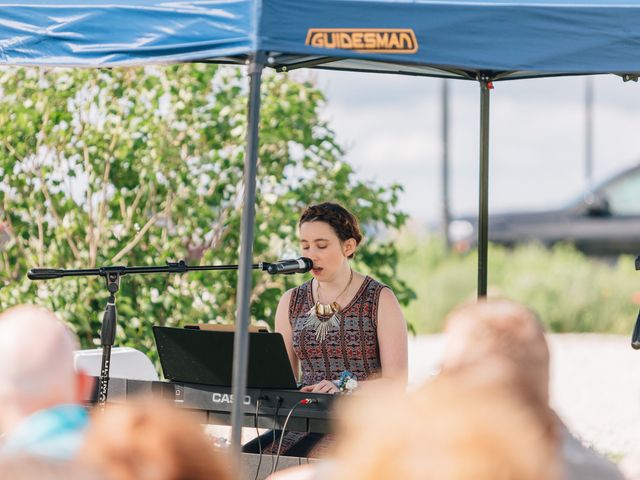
(570, 292)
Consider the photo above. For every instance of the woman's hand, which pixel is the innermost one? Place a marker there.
(325, 386)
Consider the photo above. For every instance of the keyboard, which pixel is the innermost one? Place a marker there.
(213, 404)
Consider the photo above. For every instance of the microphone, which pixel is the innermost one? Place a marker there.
(287, 267)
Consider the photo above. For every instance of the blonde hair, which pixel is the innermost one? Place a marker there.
(481, 330)
(473, 423)
(30, 467)
(149, 440)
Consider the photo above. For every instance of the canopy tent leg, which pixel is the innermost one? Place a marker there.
(483, 209)
(241, 337)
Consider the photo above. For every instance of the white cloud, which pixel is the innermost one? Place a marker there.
(391, 126)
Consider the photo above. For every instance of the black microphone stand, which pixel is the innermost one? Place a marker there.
(635, 337)
(108, 335)
(112, 276)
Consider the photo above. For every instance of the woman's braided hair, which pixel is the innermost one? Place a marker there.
(343, 222)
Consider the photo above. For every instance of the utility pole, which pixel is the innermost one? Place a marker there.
(445, 212)
(588, 132)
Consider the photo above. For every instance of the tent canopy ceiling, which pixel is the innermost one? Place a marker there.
(462, 39)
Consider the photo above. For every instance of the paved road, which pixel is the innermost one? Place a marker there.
(595, 386)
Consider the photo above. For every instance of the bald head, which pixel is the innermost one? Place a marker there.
(501, 329)
(36, 360)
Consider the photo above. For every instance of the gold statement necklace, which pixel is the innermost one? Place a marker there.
(321, 327)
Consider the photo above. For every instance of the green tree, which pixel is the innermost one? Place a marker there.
(142, 166)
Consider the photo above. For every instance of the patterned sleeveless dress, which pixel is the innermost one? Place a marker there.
(352, 345)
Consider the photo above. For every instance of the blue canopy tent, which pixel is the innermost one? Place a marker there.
(480, 40)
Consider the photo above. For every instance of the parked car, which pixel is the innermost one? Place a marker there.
(602, 222)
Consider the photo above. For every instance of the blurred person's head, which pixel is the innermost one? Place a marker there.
(498, 328)
(467, 424)
(36, 365)
(630, 465)
(149, 440)
(35, 467)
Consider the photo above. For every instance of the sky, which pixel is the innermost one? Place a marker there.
(390, 126)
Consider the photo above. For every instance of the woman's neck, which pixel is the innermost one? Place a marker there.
(340, 279)
(332, 287)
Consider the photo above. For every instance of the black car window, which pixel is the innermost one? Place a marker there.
(624, 195)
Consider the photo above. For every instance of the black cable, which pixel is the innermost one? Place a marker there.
(255, 423)
(275, 427)
(304, 401)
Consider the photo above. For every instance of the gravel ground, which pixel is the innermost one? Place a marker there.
(595, 386)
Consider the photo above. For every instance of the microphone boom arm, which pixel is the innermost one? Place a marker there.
(170, 267)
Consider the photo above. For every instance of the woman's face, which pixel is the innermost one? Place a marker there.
(320, 243)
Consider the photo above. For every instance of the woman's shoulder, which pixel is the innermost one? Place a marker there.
(376, 285)
(295, 291)
(286, 296)
(302, 286)
(386, 294)
(380, 291)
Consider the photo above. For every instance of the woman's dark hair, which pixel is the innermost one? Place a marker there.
(343, 222)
